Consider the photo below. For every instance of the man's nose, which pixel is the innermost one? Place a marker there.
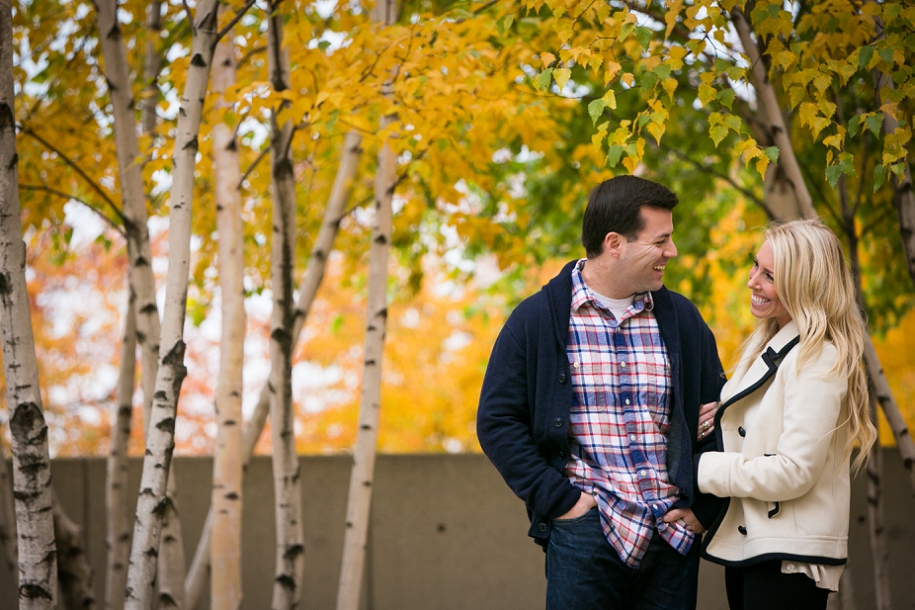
(671, 251)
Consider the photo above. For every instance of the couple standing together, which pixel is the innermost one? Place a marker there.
(605, 408)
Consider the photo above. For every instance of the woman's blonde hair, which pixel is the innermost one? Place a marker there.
(815, 285)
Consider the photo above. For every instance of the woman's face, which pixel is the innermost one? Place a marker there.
(764, 302)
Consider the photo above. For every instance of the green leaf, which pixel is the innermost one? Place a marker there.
(336, 324)
(832, 175)
(323, 45)
(595, 109)
(886, 54)
(504, 24)
(853, 125)
(873, 123)
(772, 153)
(543, 81)
(643, 35)
(890, 11)
(663, 71)
(648, 81)
(614, 154)
(717, 133)
(726, 97)
(879, 177)
(864, 56)
(625, 30)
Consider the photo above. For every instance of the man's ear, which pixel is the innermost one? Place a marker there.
(613, 243)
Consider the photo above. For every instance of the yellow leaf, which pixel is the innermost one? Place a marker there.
(594, 62)
(670, 17)
(610, 99)
(676, 55)
(656, 130)
(628, 79)
(610, 71)
(548, 59)
(561, 77)
(890, 108)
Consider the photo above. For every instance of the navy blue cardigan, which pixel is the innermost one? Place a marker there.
(523, 416)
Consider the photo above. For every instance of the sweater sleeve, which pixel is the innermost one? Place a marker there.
(813, 401)
(506, 432)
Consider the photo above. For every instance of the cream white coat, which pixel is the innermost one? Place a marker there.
(783, 432)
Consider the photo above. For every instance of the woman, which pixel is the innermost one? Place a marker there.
(788, 419)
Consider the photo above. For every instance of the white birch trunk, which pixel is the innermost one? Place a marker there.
(771, 112)
(287, 584)
(314, 275)
(29, 433)
(114, 52)
(884, 396)
(160, 439)
(117, 535)
(875, 522)
(171, 553)
(75, 574)
(225, 590)
(359, 501)
(8, 518)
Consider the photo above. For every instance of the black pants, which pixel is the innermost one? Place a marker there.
(764, 587)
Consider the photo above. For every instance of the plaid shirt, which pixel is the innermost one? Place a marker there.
(620, 421)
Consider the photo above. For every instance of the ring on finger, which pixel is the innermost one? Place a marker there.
(705, 425)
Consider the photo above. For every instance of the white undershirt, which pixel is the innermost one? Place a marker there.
(616, 306)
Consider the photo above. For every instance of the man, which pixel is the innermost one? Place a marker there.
(590, 411)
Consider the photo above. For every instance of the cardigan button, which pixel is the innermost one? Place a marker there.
(562, 455)
(741, 431)
(742, 530)
(542, 527)
(562, 377)
(558, 422)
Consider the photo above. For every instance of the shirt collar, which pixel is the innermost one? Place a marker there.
(582, 295)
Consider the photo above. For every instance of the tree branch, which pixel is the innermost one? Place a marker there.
(710, 170)
(238, 15)
(63, 195)
(254, 164)
(95, 186)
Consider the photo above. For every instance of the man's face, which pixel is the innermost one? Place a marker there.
(642, 261)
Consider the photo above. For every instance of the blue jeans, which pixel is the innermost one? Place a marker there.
(584, 572)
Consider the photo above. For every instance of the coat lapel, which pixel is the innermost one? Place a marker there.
(763, 367)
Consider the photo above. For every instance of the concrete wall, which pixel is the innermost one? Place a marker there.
(446, 534)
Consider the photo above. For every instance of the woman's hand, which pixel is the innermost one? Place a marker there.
(707, 419)
(686, 517)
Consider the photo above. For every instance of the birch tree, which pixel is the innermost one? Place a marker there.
(8, 518)
(287, 584)
(358, 508)
(170, 570)
(74, 572)
(314, 275)
(226, 589)
(28, 431)
(171, 370)
(117, 523)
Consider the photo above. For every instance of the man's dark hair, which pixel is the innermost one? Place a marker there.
(615, 206)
